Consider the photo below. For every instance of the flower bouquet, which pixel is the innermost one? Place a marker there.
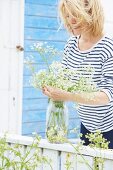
(57, 75)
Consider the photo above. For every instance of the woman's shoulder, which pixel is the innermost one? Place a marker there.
(107, 47)
(107, 43)
(72, 40)
(108, 40)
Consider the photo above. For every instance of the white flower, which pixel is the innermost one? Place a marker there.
(58, 75)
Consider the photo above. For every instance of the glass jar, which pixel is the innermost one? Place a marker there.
(56, 122)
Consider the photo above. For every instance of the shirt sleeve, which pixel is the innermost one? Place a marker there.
(65, 56)
(106, 84)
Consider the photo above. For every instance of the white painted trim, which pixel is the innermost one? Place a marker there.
(16, 83)
(20, 68)
(85, 150)
(11, 64)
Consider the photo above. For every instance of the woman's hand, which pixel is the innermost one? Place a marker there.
(55, 93)
(98, 98)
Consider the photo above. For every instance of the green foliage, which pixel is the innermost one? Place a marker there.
(97, 142)
(16, 156)
(68, 163)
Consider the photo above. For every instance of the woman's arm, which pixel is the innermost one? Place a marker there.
(94, 98)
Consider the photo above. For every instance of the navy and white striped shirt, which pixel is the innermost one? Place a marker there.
(100, 57)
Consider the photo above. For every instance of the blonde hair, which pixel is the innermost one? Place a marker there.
(88, 12)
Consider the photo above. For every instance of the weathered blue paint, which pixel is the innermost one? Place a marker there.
(44, 34)
(29, 44)
(41, 24)
(48, 2)
(40, 10)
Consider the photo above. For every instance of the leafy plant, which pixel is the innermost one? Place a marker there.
(16, 156)
(97, 141)
(68, 163)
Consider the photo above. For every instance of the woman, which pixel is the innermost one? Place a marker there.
(88, 46)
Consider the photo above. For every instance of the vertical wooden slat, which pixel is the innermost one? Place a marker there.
(84, 162)
(5, 154)
(68, 158)
(21, 150)
(108, 165)
(54, 157)
(39, 165)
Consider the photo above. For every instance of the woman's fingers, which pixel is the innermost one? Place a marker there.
(46, 91)
(53, 93)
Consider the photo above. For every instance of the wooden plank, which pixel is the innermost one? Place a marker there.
(31, 127)
(4, 110)
(40, 166)
(21, 150)
(4, 72)
(42, 34)
(74, 124)
(57, 44)
(41, 10)
(42, 134)
(48, 2)
(108, 165)
(41, 22)
(11, 65)
(32, 93)
(38, 59)
(37, 67)
(38, 116)
(84, 162)
(68, 161)
(35, 104)
(54, 157)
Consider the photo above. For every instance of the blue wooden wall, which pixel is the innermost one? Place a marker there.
(41, 24)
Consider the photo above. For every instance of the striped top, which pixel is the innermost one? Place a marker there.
(100, 57)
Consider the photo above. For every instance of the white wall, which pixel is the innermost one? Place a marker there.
(11, 35)
(108, 11)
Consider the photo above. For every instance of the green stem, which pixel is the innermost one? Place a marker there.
(80, 155)
(44, 58)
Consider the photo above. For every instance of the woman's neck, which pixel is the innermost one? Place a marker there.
(88, 37)
(87, 41)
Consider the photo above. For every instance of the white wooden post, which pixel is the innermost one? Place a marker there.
(11, 35)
